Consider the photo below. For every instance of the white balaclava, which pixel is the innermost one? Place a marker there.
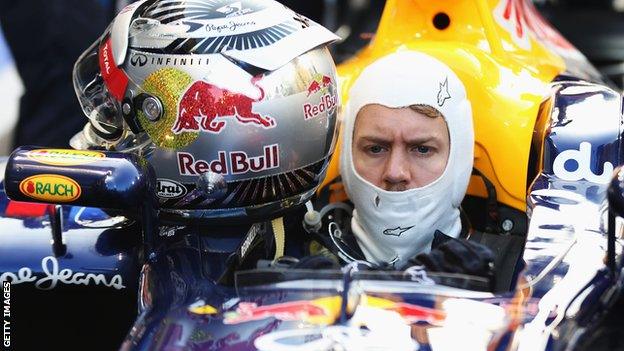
(394, 226)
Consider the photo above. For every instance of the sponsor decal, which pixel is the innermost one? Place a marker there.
(50, 188)
(396, 231)
(324, 311)
(169, 189)
(443, 93)
(324, 85)
(318, 311)
(582, 156)
(411, 313)
(205, 107)
(140, 60)
(320, 83)
(116, 80)
(234, 162)
(510, 15)
(520, 18)
(53, 276)
(64, 157)
(328, 102)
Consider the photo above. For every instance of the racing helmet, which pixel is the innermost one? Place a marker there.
(234, 104)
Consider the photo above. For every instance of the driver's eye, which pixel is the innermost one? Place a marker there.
(423, 149)
(375, 149)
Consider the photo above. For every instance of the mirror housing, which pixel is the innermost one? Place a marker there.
(103, 179)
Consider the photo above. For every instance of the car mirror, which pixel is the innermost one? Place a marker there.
(104, 179)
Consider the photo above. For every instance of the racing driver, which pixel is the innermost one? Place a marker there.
(407, 156)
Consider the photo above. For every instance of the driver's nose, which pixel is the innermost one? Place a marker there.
(396, 176)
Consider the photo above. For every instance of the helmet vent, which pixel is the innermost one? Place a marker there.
(268, 189)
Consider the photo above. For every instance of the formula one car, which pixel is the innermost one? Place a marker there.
(548, 137)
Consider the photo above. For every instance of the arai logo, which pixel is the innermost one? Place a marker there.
(169, 189)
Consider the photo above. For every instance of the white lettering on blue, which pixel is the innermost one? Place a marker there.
(582, 156)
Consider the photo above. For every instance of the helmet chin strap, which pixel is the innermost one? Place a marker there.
(279, 235)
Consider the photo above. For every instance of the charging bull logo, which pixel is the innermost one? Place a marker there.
(321, 83)
(328, 100)
(325, 311)
(204, 105)
(318, 311)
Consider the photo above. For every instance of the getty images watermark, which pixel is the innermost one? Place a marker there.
(6, 315)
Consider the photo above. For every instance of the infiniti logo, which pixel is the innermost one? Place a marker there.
(138, 60)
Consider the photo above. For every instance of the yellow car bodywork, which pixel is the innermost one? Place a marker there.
(506, 56)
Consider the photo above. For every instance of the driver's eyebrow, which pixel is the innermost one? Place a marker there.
(422, 140)
(413, 141)
(376, 139)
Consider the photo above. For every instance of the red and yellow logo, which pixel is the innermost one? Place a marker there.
(64, 157)
(52, 188)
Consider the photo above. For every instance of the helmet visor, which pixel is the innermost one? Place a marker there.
(100, 106)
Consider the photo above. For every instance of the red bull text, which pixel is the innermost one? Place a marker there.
(327, 103)
(328, 100)
(236, 162)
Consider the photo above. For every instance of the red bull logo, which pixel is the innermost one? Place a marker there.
(414, 313)
(319, 84)
(234, 162)
(411, 313)
(288, 311)
(328, 102)
(204, 106)
(325, 310)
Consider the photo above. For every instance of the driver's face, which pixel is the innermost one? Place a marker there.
(398, 149)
